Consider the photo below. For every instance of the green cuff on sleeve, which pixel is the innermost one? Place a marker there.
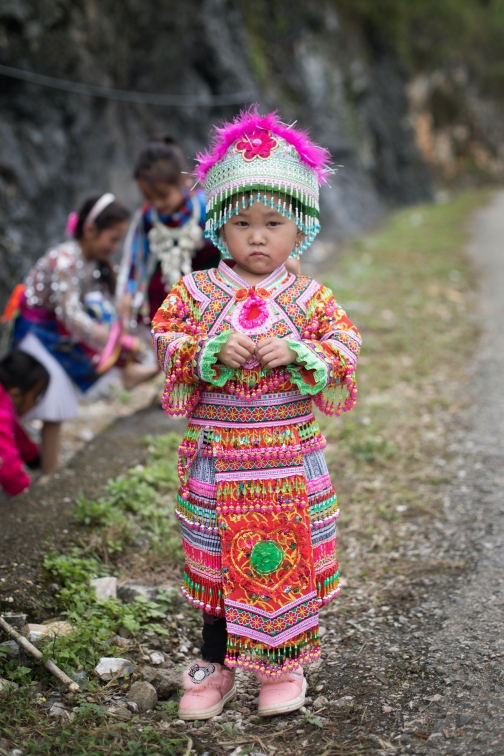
(208, 370)
(316, 367)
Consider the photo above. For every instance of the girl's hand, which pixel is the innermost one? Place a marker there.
(236, 351)
(274, 352)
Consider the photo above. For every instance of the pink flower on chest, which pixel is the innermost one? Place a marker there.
(254, 311)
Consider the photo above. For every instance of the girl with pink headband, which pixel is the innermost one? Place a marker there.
(64, 316)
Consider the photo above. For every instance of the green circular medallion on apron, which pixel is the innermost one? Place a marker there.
(266, 557)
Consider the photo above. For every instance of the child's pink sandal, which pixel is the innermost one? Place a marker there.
(208, 687)
(283, 694)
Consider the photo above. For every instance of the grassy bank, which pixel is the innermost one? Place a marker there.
(410, 290)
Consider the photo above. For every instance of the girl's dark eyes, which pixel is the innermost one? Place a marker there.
(270, 223)
(243, 224)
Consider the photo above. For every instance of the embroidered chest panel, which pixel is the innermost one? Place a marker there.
(276, 310)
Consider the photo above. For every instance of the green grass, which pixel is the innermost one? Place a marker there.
(139, 504)
(409, 288)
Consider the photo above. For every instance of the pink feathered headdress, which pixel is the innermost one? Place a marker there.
(257, 158)
(249, 121)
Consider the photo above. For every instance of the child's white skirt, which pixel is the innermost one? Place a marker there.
(60, 401)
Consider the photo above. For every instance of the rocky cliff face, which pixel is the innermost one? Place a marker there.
(56, 147)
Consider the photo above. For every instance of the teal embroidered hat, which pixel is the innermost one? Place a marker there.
(258, 158)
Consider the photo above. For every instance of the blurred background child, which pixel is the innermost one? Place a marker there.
(65, 317)
(165, 239)
(23, 381)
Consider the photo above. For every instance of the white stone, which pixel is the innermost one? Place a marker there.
(105, 587)
(109, 667)
(340, 702)
(157, 657)
(34, 632)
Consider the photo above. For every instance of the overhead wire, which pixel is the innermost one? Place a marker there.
(122, 95)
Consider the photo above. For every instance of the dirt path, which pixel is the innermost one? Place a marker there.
(470, 646)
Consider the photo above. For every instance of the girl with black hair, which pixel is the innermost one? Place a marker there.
(23, 381)
(66, 316)
(165, 239)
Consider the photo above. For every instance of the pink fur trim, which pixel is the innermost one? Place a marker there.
(317, 158)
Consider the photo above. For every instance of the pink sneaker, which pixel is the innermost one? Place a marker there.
(208, 687)
(283, 694)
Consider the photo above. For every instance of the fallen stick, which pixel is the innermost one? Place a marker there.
(33, 651)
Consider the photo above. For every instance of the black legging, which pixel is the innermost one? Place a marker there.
(214, 639)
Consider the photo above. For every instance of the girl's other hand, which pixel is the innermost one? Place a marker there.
(236, 351)
(274, 352)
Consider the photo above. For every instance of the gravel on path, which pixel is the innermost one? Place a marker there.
(469, 647)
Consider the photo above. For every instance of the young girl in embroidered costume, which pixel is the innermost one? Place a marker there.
(246, 349)
(64, 315)
(165, 239)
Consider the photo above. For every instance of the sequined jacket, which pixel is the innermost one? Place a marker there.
(57, 285)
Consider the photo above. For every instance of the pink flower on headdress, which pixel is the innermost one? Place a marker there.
(258, 144)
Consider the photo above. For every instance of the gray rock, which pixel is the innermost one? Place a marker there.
(15, 619)
(464, 719)
(109, 667)
(6, 684)
(320, 702)
(130, 590)
(79, 677)
(144, 695)
(59, 711)
(11, 649)
(166, 680)
(120, 711)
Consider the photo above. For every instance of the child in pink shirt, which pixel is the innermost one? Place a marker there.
(23, 381)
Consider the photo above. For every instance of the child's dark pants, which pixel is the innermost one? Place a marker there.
(214, 639)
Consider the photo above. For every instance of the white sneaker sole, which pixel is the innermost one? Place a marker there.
(284, 708)
(213, 711)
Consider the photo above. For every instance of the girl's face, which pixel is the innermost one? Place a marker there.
(99, 245)
(260, 239)
(24, 402)
(164, 197)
